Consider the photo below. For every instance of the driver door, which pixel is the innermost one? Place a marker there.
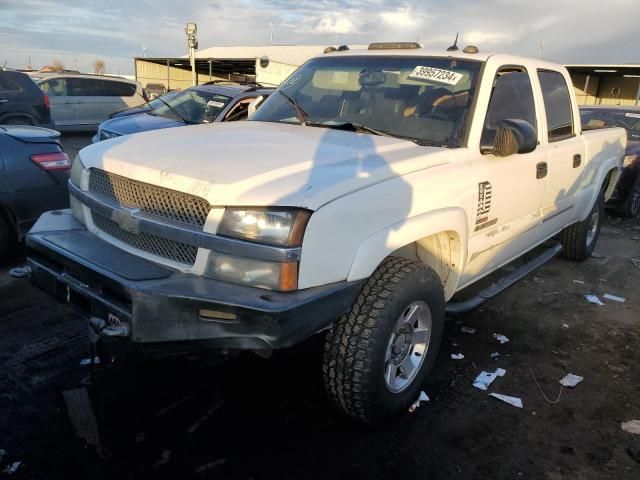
(510, 190)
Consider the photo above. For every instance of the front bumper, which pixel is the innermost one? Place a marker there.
(161, 306)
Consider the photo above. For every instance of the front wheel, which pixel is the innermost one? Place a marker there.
(378, 354)
(579, 240)
(631, 206)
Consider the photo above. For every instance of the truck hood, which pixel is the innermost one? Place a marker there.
(261, 164)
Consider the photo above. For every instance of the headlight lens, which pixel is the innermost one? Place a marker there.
(254, 273)
(629, 159)
(274, 226)
(106, 134)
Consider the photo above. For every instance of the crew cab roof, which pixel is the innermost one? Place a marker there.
(430, 52)
(232, 90)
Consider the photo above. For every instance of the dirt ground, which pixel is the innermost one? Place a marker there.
(255, 418)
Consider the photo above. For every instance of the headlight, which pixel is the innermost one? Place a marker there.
(254, 273)
(273, 226)
(629, 159)
(106, 134)
(76, 177)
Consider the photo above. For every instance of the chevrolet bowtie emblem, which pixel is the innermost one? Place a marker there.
(126, 220)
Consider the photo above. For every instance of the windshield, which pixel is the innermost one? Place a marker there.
(419, 98)
(191, 106)
(602, 118)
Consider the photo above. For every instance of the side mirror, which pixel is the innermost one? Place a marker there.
(253, 106)
(513, 136)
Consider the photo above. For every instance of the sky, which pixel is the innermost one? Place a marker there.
(79, 32)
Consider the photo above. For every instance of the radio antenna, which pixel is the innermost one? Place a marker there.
(454, 47)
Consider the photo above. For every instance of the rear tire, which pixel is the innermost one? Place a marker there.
(631, 206)
(378, 354)
(5, 236)
(579, 240)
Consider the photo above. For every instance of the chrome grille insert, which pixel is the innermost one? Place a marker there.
(150, 199)
(161, 247)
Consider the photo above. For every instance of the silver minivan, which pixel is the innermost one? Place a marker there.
(82, 102)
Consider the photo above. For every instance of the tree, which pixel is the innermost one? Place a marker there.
(57, 66)
(99, 67)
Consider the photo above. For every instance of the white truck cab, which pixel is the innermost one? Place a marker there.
(360, 197)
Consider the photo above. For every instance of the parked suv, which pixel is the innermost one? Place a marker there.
(21, 101)
(81, 102)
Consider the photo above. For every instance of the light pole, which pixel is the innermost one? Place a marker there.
(192, 41)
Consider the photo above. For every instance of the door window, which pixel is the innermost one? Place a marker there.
(557, 105)
(7, 85)
(56, 87)
(512, 98)
(119, 89)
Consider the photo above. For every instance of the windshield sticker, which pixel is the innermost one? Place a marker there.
(435, 75)
(340, 78)
(291, 81)
(213, 103)
(632, 115)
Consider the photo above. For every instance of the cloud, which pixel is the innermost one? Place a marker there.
(572, 30)
(400, 18)
(334, 24)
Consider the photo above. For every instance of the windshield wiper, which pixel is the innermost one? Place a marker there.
(354, 126)
(184, 120)
(300, 113)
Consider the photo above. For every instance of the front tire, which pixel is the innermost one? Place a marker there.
(579, 240)
(378, 354)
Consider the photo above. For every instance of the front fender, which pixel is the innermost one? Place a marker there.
(382, 243)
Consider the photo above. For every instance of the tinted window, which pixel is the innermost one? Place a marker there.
(119, 89)
(56, 87)
(557, 104)
(603, 118)
(7, 85)
(512, 98)
(84, 87)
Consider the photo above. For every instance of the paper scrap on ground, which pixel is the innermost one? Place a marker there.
(422, 398)
(615, 298)
(593, 299)
(210, 465)
(87, 361)
(632, 426)
(571, 380)
(495, 355)
(12, 468)
(578, 281)
(165, 457)
(468, 330)
(515, 401)
(565, 325)
(501, 338)
(457, 356)
(485, 379)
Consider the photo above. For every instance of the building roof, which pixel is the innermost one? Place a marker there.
(288, 54)
(632, 69)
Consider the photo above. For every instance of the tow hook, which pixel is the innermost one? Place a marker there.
(98, 328)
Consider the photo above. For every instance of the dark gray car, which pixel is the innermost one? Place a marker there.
(34, 171)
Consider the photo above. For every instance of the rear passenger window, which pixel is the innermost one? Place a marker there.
(557, 104)
(7, 85)
(511, 99)
(84, 87)
(119, 89)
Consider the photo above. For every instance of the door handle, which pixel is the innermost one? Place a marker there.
(541, 170)
(577, 160)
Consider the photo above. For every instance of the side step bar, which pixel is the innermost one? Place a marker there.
(505, 282)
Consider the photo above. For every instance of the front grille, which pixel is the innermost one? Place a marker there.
(161, 247)
(150, 199)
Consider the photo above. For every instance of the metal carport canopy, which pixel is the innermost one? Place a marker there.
(233, 66)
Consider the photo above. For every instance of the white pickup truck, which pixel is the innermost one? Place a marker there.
(360, 197)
